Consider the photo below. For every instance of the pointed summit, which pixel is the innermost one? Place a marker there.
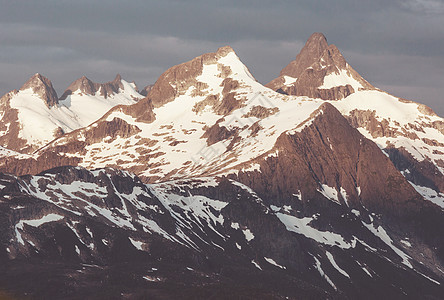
(310, 53)
(319, 71)
(118, 78)
(83, 84)
(42, 86)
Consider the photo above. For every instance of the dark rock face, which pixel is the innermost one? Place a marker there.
(86, 86)
(103, 233)
(316, 60)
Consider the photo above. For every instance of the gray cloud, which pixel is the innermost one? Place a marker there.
(397, 45)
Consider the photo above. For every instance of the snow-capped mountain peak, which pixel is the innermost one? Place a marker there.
(319, 71)
(33, 116)
(203, 73)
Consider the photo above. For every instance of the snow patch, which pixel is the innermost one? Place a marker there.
(256, 265)
(335, 265)
(329, 193)
(343, 78)
(322, 273)
(137, 244)
(272, 262)
(430, 194)
(248, 234)
(301, 226)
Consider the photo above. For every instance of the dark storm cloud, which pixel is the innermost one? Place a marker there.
(397, 45)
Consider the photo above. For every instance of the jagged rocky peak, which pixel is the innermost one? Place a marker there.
(310, 53)
(178, 79)
(86, 86)
(319, 71)
(42, 86)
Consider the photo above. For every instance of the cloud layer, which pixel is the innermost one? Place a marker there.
(396, 45)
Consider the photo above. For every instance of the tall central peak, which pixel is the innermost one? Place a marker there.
(310, 53)
(42, 86)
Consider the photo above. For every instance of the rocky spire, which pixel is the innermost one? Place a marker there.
(42, 86)
(310, 53)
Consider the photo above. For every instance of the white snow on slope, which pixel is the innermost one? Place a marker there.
(137, 244)
(39, 123)
(386, 106)
(288, 80)
(274, 263)
(199, 210)
(335, 265)
(333, 80)
(248, 234)
(382, 234)
(301, 226)
(329, 193)
(88, 108)
(176, 122)
(430, 194)
(35, 223)
(322, 273)
(404, 118)
(256, 265)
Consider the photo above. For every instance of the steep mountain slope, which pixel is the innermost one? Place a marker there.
(202, 236)
(33, 116)
(410, 133)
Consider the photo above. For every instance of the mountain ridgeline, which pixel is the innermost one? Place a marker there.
(208, 184)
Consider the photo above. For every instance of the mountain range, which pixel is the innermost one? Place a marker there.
(209, 184)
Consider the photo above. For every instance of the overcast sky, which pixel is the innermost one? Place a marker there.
(397, 45)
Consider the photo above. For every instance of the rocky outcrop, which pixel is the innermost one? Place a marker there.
(86, 86)
(178, 79)
(314, 49)
(42, 86)
(146, 90)
(312, 65)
